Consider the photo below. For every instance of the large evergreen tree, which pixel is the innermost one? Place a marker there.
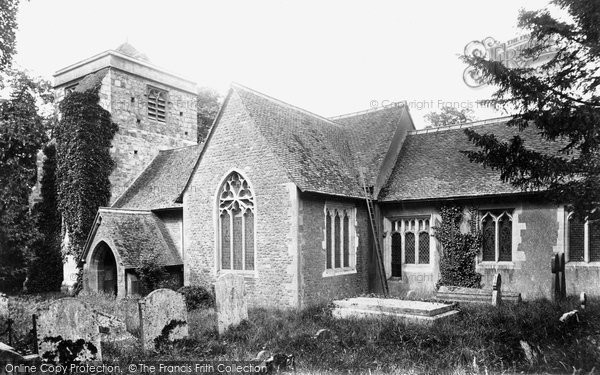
(560, 98)
(22, 134)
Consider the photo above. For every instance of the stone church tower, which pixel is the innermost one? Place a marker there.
(154, 109)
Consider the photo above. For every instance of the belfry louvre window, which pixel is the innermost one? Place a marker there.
(410, 237)
(236, 224)
(157, 102)
(340, 238)
(497, 236)
(583, 240)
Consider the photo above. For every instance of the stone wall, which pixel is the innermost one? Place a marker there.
(237, 145)
(315, 287)
(139, 138)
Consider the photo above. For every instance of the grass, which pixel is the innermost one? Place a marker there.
(481, 339)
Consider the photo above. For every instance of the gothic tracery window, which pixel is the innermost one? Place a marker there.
(583, 239)
(236, 224)
(157, 102)
(414, 240)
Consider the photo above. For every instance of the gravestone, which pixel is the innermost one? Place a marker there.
(497, 290)
(583, 300)
(3, 307)
(157, 310)
(69, 318)
(559, 287)
(230, 301)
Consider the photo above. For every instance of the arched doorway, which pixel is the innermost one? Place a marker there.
(104, 268)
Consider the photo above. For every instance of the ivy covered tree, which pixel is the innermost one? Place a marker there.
(448, 115)
(560, 99)
(44, 270)
(207, 105)
(22, 134)
(83, 165)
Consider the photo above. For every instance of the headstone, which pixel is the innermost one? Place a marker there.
(72, 320)
(497, 290)
(530, 354)
(410, 294)
(3, 307)
(583, 300)
(563, 280)
(132, 317)
(159, 309)
(230, 301)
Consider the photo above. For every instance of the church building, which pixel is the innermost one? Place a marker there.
(306, 208)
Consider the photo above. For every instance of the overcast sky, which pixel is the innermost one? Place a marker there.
(329, 57)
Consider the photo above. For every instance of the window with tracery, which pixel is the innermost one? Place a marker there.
(411, 237)
(236, 224)
(157, 103)
(340, 238)
(497, 236)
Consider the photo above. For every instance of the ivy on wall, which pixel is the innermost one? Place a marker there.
(83, 166)
(457, 256)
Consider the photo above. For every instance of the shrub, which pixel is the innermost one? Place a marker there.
(197, 297)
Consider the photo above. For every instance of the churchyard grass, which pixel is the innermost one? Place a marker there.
(481, 339)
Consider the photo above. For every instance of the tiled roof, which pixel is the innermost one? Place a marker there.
(131, 51)
(138, 235)
(431, 166)
(321, 155)
(163, 180)
(371, 136)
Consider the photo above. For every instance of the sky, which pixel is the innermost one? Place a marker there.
(328, 57)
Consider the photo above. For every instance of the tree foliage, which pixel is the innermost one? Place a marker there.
(83, 140)
(22, 134)
(560, 98)
(207, 105)
(8, 25)
(457, 256)
(449, 115)
(44, 270)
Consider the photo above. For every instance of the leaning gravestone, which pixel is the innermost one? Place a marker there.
(159, 309)
(3, 307)
(230, 301)
(72, 320)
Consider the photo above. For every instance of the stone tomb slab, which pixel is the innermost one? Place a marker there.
(411, 311)
(72, 320)
(230, 301)
(157, 310)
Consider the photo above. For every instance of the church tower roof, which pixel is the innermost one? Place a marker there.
(131, 51)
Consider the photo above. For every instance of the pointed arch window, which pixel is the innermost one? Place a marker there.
(236, 224)
(497, 236)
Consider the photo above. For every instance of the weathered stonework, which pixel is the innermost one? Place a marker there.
(72, 320)
(159, 309)
(230, 301)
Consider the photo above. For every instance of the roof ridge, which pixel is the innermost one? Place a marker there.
(493, 120)
(281, 102)
(399, 104)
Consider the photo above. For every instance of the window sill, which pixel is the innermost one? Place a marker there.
(339, 272)
(582, 264)
(496, 265)
(244, 273)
